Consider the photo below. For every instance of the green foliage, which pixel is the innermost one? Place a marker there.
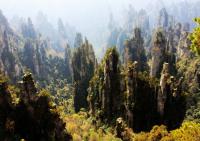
(46, 69)
(82, 129)
(189, 131)
(30, 118)
(156, 134)
(189, 68)
(39, 117)
(195, 38)
(3, 78)
(64, 97)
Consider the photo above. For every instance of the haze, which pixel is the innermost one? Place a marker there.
(88, 16)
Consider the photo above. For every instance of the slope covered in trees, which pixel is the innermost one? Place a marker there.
(28, 114)
(145, 87)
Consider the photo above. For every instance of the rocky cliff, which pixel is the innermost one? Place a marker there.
(141, 100)
(83, 65)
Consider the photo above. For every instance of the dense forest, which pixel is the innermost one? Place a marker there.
(145, 86)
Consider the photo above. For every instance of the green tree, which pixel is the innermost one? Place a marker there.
(195, 38)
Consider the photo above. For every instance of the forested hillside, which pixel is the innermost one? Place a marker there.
(145, 87)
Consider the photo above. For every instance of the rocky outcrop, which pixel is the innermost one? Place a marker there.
(121, 130)
(120, 42)
(67, 62)
(134, 51)
(170, 96)
(78, 40)
(163, 18)
(28, 30)
(150, 103)
(4, 25)
(113, 33)
(183, 46)
(31, 52)
(158, 53)
(140, 113)
(104, 91)
(9, 59)
(83, 65)
(110, 90)
(27, 87)
(133, 20)
(169, 45)
(139, 99)
(162, 95)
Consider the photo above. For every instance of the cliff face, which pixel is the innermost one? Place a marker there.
(83, 65)
(158, 53)
(143, 101)
(29, 50)
(134, 50)
(170, 96)
(104, 95)
(140, 102)
(183, 46)
(149, 103)
(9, 42)
(111, 84)
(163, 18)
(166, 49)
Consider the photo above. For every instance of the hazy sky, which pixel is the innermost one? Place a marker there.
(87, 16)
(73, 11)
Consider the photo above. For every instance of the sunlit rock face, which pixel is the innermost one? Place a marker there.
(163, 88)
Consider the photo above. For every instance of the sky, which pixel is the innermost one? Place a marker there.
(88, 16)
(75, 12)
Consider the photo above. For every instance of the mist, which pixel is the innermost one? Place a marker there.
(90, 17)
